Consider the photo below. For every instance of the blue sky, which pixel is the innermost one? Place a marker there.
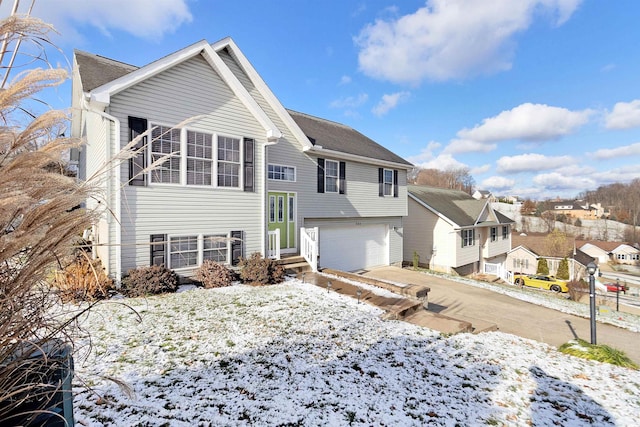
(538, 98)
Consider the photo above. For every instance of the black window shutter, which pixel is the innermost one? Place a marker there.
(320, 175)
(381, 182)
(342, 175)
(158, 249)
(395, 183)
(137, 164)
(249, 145)
(237, 247)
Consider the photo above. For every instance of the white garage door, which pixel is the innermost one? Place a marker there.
(353, 248)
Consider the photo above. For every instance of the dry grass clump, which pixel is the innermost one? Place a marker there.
(83, 280)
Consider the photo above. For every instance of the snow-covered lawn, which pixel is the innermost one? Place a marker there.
(294, 354)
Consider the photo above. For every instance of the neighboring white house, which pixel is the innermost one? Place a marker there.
(616, 252)
(626, 254)
(233, 172)
(452, 232)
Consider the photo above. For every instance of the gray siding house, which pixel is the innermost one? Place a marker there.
(222, 169)
(450, 231)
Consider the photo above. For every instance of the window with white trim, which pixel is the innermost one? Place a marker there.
(191, 251)
(228, 162)
(281, 173)
(330, 176)
(291, 209)
(494, 234)
(280, 208)
(621, 256)
(199, 158)
(183, 251)
(505, 232)
(634, 257)
(165, 142)
(388, 182)
(272, 208)
(468, 238)
(215, 248)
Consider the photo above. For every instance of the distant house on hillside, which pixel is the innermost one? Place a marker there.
(576, 209)
(529, 248)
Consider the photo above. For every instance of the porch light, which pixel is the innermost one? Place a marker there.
(591, 268)
(359, 293)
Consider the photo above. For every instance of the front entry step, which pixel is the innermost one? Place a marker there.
(294, 264)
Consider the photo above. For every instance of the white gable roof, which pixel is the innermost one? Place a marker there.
(102, 94)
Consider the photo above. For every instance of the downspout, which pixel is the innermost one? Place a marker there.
(113, 183)
(263, 204)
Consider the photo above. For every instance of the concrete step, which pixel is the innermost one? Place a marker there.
(439, 322)
(410, 290)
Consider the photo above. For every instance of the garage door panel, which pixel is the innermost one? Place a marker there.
(353, 248)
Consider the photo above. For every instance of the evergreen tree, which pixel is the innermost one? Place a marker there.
(543, 267)
(563, 269)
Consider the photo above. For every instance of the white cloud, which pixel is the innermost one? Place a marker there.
(148, 19)
(625, 115)
(442, 162)
(612, 153)
(529, 122)
(531, 162)
(479, 170)
(497, 183)
(621, 174)
(451, 39)
(350, 101)
(457, 146)
(389, 102)
(426, 154)
(557, 181)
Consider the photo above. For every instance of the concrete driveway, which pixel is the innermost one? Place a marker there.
(483, 308)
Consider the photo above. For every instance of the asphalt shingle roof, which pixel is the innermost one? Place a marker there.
(338, 137)
(456, 205)
(96, 70)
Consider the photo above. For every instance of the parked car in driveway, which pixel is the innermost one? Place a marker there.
(615, 287)
(541, 281)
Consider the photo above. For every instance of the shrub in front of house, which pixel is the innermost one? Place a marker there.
(82, 280)
(150, 280)
(577, 288)
(259, 271)
(214, 275)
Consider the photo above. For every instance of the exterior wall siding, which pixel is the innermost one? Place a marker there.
(418, 233)
(191, 89)
(360, 203)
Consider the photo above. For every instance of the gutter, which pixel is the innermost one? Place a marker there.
(113, 183)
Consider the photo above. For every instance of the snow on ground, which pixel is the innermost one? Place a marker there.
(294, 354)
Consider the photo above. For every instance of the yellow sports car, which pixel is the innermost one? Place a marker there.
(539, 281)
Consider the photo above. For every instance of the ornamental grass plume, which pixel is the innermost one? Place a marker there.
(40, 221)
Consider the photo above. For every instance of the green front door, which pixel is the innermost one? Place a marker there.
(282, 216)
